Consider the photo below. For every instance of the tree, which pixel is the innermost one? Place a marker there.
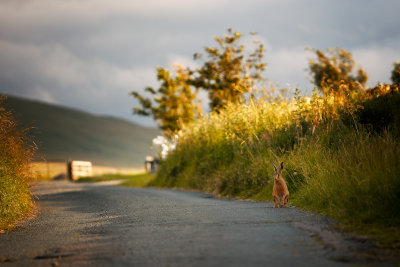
(333, 71)
(229, 74)
(396, 72)
(174, 102)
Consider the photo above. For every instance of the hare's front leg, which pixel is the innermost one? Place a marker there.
(279, 201)
(276, 201)
(282, 201)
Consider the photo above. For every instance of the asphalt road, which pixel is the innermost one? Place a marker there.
(103, 225)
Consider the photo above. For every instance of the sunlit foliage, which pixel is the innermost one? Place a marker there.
(16, 152)
(333, 71)
(396, 73)
(174, 102)
(228, 73)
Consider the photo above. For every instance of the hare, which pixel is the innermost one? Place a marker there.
(280, 191)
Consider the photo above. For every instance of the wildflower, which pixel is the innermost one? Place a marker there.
(166, 145)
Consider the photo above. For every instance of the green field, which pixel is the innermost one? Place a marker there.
(64, 133)
(51, 170)
(136, 180)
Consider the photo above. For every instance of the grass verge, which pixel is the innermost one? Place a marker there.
(341, 160)
(136, 180)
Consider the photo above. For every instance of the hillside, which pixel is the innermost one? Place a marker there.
(64, 133)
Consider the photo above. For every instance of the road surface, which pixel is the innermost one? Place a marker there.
(82, 224)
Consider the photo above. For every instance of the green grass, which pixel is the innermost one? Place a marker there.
(337, 163)
(357, 184)
(137, 180)
(140, 180)
(64, 134)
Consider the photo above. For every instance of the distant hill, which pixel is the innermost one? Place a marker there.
(64, 133)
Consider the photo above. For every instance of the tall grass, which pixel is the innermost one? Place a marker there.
(336, 163)
(358, 183)
(15, 154)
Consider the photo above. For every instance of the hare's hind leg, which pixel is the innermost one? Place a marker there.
(282, 201)
(286, 200)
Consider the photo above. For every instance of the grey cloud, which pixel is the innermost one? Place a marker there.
(55, 75)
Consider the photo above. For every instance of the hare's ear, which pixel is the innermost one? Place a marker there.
(281, 166)
(276, 170)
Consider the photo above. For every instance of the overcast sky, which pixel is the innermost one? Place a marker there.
(89, 54)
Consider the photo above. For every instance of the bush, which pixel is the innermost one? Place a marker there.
(16, 152)
(382, 111)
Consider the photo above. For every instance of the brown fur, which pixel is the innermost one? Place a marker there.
(280, 191)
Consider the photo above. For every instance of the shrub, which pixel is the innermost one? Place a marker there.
(16, 152)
